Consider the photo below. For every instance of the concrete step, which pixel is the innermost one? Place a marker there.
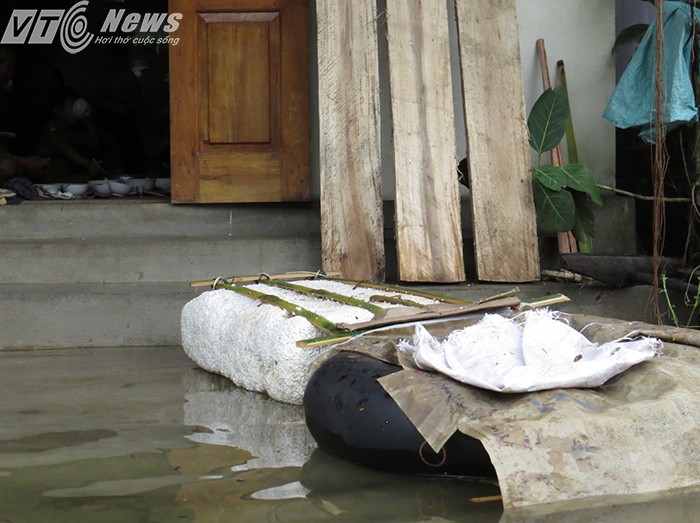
(154, 259)
(135, 218)
(47, 316)
(150, 240)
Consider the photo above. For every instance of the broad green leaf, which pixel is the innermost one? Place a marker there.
(579, 178)
(548, 119)
(628, 36)
(584, 227)
(550, 176)
(555, 210)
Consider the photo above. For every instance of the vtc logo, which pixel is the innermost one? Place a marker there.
(40, 27)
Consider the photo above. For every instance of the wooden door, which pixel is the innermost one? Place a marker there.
(239, 98)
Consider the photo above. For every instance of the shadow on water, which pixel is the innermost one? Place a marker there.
(141, 436)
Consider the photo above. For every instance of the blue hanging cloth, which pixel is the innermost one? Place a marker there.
(633, 102)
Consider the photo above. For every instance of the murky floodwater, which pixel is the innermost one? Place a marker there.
(141, 435)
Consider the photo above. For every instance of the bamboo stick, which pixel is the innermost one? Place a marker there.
(396, 300)
(402, 290)
(545, 301)
(301, 275)
(571, 147)
(322, 341)
(507, 294)
(321, 293)
(316, 320)
(486, 499)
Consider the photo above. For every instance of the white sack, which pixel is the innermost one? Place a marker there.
(530, 353)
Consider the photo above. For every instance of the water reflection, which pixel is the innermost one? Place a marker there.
(83, 447)
(290, 480)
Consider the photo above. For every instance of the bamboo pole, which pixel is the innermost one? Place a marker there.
(230, 280)
(566, 240)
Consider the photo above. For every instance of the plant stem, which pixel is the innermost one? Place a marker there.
(671, 307)
(641, 196)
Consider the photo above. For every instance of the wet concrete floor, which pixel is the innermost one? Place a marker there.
(142, 435)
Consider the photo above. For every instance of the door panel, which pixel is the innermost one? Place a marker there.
(240, 101)
(239, 81)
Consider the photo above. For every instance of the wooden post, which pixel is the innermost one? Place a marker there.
(352, 222)
(428, 223)
(505, 231)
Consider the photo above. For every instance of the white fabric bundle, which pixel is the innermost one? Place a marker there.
(533, 352)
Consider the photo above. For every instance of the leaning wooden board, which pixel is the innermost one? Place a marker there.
(352, 222)
(505, 232)
(428, 223)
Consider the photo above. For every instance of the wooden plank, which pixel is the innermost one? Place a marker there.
(428, 224)
(352, 223)
(505, 231)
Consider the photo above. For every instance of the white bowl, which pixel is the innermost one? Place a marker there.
(76, 189)
(52, 188)
(122, 189)
(102, 189)
(144, 184)
(163, 184)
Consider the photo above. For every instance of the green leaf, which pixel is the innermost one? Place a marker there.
(628, 36)
(584, 227)
(555, 209)
(550, 176)
(548, 119)
(579, 178)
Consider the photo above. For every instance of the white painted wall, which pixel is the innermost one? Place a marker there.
(582, 33)
(629, 12)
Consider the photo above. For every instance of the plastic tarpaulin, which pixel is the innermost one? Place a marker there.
(636, 436)
(633, 102)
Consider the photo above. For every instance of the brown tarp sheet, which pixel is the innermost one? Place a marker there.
(637, 435)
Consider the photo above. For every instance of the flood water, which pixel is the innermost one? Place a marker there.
(141, 435)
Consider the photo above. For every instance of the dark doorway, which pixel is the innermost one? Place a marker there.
(124, 78)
